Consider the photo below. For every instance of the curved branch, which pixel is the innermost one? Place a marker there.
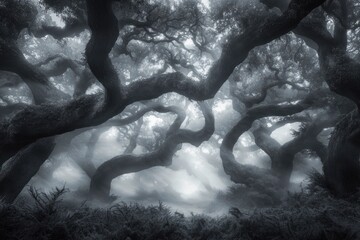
(282, 156)
(234, 52)
(268, 144)
(57, 66)
(28, 125)
(154, 106)
(341, 72)
(86, 164)
(9, 110)
(12, 60)
(104, 33)
(72, 29)
(287, 120)
(240, 173)
(117, 166)
(15, 174)
(250, 101)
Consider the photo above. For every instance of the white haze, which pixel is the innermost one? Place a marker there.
(190, 184)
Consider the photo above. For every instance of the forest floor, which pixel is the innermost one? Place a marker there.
(306, 215)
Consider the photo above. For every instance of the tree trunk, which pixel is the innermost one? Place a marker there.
(342, 167)
(101, 181)
(15, 174)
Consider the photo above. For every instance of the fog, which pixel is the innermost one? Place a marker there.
(269, 79)
(191, 184)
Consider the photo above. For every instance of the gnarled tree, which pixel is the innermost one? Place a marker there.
(114, 27)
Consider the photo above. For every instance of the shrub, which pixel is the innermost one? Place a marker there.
(305, 215)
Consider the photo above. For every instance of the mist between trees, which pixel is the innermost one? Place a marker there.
(230, 100)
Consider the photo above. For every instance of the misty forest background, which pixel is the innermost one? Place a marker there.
(179, 119)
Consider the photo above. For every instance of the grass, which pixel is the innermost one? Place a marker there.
(311, 214)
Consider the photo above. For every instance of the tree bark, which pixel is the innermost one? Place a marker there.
(249, 175)
(46, 120)
(12, 60)
(282, 156)
(342, 76)
(93, 110)
(342, 167)
(15, 175)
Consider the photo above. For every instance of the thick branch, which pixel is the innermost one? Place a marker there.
(93, 110)
(9, 110)
(15, 174)
(250, 101)
(234, 52)
(58, 66)
(101, 182)
(12, 60)
(342, 166)
(72, 29)
(282, 156)
(238, 172)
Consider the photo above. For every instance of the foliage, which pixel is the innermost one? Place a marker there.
(262, 195)
(306, 215)
(317, 182)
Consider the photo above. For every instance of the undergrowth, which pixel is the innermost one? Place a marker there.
(310, 214)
